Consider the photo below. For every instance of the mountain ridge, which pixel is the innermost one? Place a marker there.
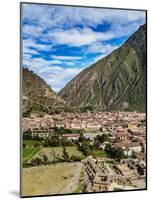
(115, 82)
(37, 94)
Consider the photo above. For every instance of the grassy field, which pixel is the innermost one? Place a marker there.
(31, 143)
(100, 153)
(28, 153)
(57, 178)
(55, 153)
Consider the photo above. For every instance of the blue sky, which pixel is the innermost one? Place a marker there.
(60, 41)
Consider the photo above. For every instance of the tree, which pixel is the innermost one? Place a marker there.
(97, 144)
(36, 145)
(66, 142)
(119, 154)
(86, 148)
(27, 135)
(45, 159)
(54, 141)
(134, 154)
(104, 138)
(108, 148)
(116, 153)
(99, 139)
(81, 138)
(36, 161)
(27, 113)
(24, 145)
(53, 155)
(65, 154)
(76, 158)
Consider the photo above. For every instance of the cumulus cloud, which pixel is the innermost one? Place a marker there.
(63, 16)
(100, 48)
(59, 22)
(32, 31)
(67, 57)
(78, 37)
(31, 43)
(49, 30)
(38, 63)
(58, 77)
(54, 75)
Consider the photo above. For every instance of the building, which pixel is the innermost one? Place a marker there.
(71, 136)
(129, 147)
(132, 126)
(122, 136)
(98, 174)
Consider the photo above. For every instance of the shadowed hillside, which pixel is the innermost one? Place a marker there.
(37, 95)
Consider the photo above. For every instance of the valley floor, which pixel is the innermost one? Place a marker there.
(51, 179)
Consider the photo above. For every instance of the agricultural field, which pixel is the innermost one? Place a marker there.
(32, 143)
(50, 179)
(55, 153)
(29, 151)
(99, 153)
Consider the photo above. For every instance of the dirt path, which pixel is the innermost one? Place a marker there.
(71, 187)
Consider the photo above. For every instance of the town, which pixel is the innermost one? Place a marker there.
(110, 147)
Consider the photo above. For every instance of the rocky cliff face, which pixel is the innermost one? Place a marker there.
(116, 82)
(37, 95)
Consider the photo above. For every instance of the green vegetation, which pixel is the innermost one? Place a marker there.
(38, 95)
(116, 82)
(57, 154)
(81, 184)
(117, 189)
(100, 153)
(62, 130)
(27, 113)
(61, 149)
(86, 148)
(100, 139)
(32, 143)
(27, 135)
(79, 188)
(28, 153)
(65, 155)
(115, 153)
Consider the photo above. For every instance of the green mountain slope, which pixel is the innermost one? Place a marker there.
(116, 82)
(37, 95)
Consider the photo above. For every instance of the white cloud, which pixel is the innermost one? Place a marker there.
(63, 16)
(39, 63)
(56, 76)
(27, 50)
(101, 49)
(56, 62)
(77, 37)
(57, 25)
(31, 43)
(67, 57)
(32, 30)
(60, 23)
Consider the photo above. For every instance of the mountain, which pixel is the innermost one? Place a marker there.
(37, 95)
(116, 82)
